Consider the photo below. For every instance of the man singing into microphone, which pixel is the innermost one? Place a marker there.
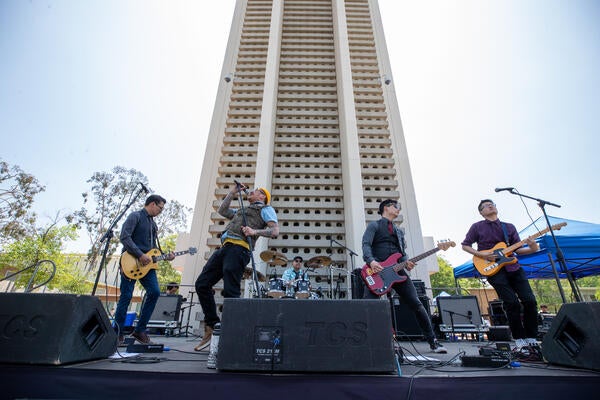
(510, 282)
(228, 262)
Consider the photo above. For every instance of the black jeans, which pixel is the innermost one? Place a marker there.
(226, 263)
(514, 290)
(408, 294)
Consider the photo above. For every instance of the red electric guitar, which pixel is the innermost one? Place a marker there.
(380, 283)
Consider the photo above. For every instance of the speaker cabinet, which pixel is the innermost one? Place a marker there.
(167, 308)
(53, 329)
(306, 335)
(572, 339)
(404, 320)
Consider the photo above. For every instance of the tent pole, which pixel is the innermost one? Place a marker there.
(560, 288)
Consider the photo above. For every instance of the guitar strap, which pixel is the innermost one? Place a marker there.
(503, 225)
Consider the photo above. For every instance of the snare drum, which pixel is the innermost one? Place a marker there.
(302, 289)
(276, 288)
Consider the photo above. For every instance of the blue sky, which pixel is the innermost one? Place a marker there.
(491, 94)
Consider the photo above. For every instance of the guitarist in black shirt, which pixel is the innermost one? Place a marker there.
(381, 240)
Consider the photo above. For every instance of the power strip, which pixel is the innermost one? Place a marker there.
(484, 361)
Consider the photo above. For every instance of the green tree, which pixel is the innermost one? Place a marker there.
(38, 253)
(108, 197)
(17, 192)
(443, 280)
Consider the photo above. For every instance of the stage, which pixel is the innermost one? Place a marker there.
(182, 372)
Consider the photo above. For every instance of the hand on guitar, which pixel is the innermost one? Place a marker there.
(378, 267)
(170, 256)
(145, 259)
(486, 255)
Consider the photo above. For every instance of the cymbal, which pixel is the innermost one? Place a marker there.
(248, 274)
(319, 261)
(273, 257)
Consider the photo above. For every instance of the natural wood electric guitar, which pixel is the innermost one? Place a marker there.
(381, 282)
(503, 252)
(133, 268)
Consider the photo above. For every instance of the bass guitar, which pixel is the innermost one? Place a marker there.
(381, 282)
(133, 268)
(502, 252)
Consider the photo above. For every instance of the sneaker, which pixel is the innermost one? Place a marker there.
(531, 341)
(208, 330)
(142, 337)
(437, 347)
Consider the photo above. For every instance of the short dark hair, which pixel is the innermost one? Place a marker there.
(480, 205)
(154, 198)
(172, 285)
(385, 203)
(298, 258)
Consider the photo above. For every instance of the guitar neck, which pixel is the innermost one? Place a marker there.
(402, 265)
(515, 246)
(164, 256)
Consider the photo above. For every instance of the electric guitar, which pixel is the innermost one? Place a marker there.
(502, 253)
(381, 282)
(133, 268)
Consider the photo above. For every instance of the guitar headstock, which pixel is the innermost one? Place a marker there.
(445, 244)
(558, 226)
(192, 250)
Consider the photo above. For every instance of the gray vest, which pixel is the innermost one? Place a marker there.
(253, 219)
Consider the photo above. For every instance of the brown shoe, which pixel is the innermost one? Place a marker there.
(205, 339)
(142, 337)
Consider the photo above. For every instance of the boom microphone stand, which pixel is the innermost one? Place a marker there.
(559, 254)
(107, 237)
(259, 293)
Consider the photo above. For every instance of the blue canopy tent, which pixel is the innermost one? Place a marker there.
(579, 242)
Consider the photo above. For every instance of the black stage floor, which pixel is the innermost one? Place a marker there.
(182, 372)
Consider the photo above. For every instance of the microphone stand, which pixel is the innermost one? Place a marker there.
(258, 292)
(107, 237)
(352, 255)
(559, 254)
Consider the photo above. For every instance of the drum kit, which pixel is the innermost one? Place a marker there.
(301, 287)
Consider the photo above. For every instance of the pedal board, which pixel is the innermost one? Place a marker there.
(145, 348)
(484, 361)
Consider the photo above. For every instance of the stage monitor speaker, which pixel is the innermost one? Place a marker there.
(53, 329)
(167, 308)
(286, 335)
(459, 310)
(572, 339)
(404, 320)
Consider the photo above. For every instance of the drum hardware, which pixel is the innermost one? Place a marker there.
(273, 258)
(248, 275)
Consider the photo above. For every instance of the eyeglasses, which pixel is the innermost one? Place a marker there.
(487, 205)
(298, 261)
(395, 205)
(159, 206)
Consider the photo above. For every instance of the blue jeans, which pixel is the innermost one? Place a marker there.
(150, 283)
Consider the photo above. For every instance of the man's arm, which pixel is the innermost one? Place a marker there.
(271, 231)
(224, 209)
(126, 232)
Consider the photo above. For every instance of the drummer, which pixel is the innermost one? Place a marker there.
(292, 275)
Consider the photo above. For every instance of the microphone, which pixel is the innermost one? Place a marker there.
(241, 186)
(144, 188)
(501, 189)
